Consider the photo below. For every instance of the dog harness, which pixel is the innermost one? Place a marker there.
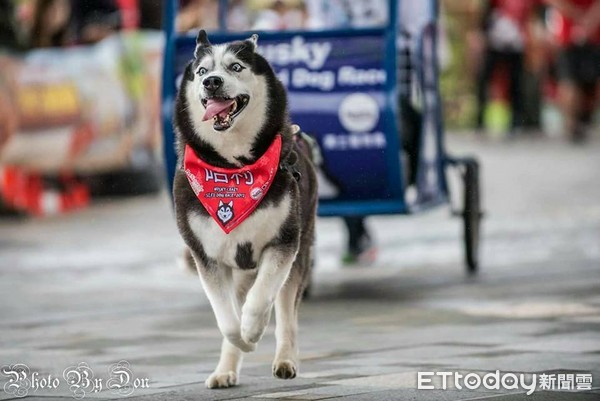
(230, 195)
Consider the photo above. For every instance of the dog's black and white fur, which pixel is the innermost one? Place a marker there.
(265, 261)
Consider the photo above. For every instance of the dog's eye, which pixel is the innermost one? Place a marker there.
(236, 67)
(201, 71)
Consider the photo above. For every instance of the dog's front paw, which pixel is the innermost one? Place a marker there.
(221, 380)
(284, 369)
(254, 325)
(237, 340)
(232, 334)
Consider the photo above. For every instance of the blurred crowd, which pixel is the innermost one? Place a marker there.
(283, 15)
(520, 51)
(532, 66)
(549, 47)
(539, 57)
(27, 24)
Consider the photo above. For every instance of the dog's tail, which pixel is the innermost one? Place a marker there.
(186, 261)
(308, 145)
(329, 186)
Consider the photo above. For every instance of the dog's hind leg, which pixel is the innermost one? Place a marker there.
(285, 364)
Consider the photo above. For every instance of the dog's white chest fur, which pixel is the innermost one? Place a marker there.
(258, 229)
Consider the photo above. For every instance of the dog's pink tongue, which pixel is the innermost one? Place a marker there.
(215, 107)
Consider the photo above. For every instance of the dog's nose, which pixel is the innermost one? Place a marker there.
(212, 83)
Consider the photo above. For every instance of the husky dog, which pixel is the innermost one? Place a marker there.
(229, 110)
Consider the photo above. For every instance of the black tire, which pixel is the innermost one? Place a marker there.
(472, 215)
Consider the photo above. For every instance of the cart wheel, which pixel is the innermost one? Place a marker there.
(472, 215)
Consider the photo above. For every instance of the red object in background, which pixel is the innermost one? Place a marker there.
(564, 27)
(130, 13)
(25, 192)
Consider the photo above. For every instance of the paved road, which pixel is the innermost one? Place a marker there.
(102, 285)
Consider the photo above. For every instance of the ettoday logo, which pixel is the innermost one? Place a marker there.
(504, 381)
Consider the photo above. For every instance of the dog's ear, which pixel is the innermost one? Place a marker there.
(202, 38)
(201, 43)
(252, 41)
(220, 203)
(230, 204)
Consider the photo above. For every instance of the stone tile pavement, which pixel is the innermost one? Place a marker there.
(102, 285)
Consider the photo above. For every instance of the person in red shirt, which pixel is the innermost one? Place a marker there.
(577, 31)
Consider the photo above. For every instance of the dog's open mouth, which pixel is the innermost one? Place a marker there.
(223, 110)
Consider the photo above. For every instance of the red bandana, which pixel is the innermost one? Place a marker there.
(230, 195)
